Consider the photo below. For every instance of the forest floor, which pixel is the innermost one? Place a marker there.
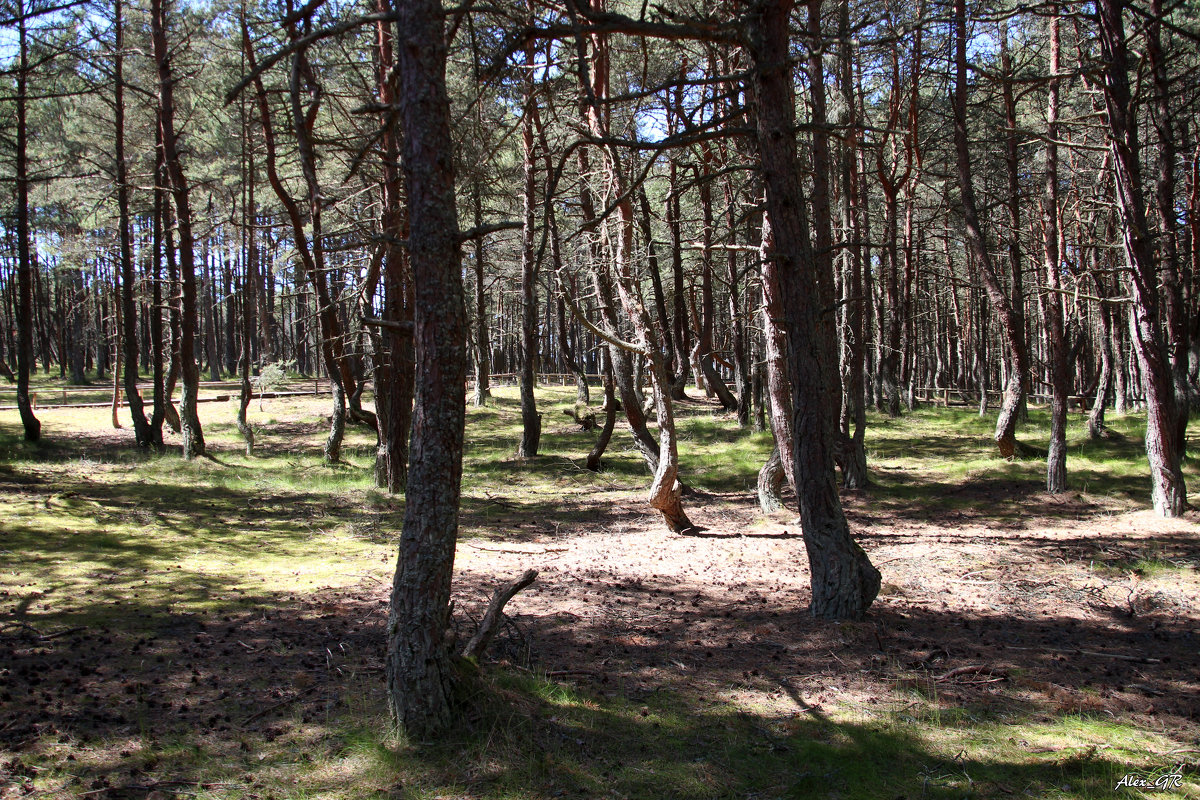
(215, 629)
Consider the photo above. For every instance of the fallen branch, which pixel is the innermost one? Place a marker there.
(523, 550)
(572, 673)
(495, 613)
(970, 669)
(38, 635)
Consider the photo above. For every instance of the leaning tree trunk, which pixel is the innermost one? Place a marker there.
(1014, 352)
(1169, 493)
(193, 436)
(610, 415)
(420, 674)
(775, 350)
(844, 582)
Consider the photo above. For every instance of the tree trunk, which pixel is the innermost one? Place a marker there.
(1056, 459)
(610, 415)
(193, 435)
(420, 673)
(1014, 352)
(531, 420)
(394, 364)
(1096, 428)
(775, 348)
(483, 355)
(249, 281)
(1169, 494)
(1175, 315)
(854, 342)
(708, 309)
(770, 483)
(30, 423)
(844, 583)
(1013, 173)
(141, 426)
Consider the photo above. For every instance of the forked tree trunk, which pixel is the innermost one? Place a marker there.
(420, 672)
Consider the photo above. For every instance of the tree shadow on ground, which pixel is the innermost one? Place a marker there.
(229, 701)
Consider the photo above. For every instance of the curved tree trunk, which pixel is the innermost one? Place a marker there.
(610, 416)
(770, 483)
(1014, 351)
(1169, 493)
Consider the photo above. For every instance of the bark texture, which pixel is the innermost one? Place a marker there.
(420, 670)
(844, 582)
